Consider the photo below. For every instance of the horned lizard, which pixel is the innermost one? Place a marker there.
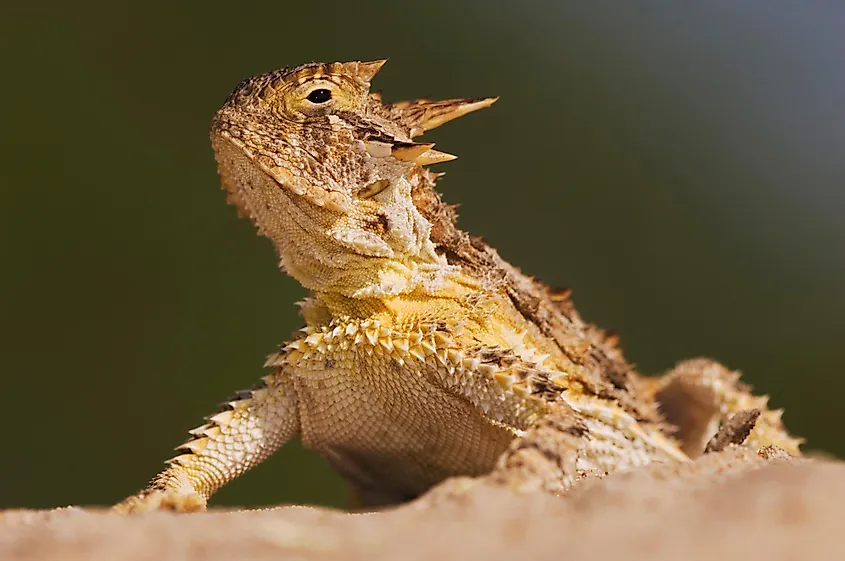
(424, 354)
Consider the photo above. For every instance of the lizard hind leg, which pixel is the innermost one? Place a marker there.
(700, 395)
(251, 426)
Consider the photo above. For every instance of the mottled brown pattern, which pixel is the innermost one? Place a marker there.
(425, 355)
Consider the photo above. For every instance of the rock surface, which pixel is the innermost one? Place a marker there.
(731, 505)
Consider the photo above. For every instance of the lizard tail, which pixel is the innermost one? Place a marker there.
(700, 395)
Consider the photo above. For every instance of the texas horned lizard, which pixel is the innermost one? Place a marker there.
(424, 353)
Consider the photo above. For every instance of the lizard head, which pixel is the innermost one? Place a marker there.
(324, 169)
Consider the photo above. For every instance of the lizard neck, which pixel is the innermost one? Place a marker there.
(379, 248)
(452, 297)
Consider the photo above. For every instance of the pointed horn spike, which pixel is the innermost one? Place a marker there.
(199, 431)
(421, 115)
(195, 446)
(453, 109)
(410, 152)
(366, 71)
(435, 157)
(183, 460)
(223, 418)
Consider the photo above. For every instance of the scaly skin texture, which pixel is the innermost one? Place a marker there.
(424, 354)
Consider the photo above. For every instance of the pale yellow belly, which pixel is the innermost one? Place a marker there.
(388, 429)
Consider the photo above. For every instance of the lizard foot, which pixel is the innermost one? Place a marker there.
(147, 501)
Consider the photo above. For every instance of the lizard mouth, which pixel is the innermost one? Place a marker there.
(233, 151)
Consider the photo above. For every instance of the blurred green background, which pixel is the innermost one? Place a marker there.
(679, 165)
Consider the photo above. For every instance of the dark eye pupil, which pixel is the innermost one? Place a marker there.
(321, 95)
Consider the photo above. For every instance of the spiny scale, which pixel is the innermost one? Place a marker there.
(424, 353)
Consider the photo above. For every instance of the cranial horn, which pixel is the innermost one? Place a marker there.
(421, 154)
(422, 115)
(435, 157)
(410, 152)
(365, 71)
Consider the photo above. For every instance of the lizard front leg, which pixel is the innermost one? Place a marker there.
(251, 426)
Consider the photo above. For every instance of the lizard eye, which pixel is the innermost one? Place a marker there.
(320, 95)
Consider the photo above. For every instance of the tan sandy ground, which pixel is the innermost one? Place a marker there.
(726, 506)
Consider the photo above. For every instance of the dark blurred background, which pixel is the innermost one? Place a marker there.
(679, 165)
